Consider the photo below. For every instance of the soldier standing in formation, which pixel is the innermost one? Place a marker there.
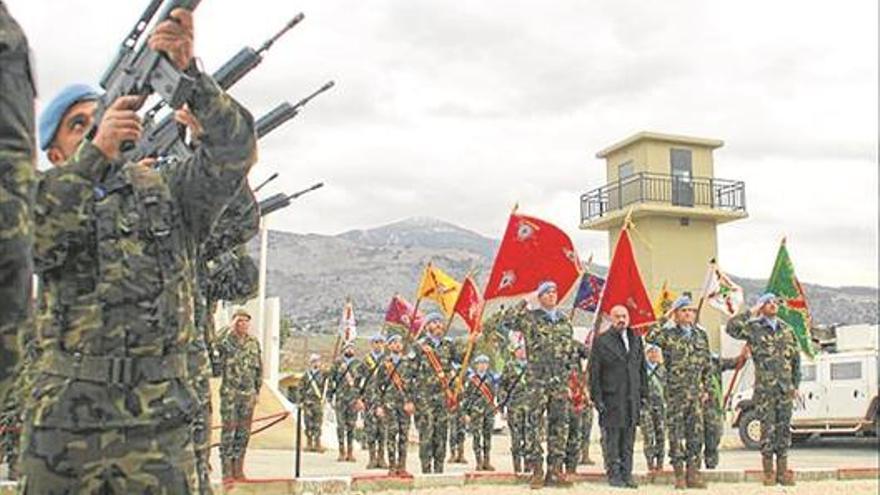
(433, 375)
(686, 359)
(374, 428)
(586, 423)
(653, 420)
(457, 428)
(309, 395)
(391, 393)
(514, 396)
(713, 409)
(478, 407)
(344, 390)
(777, 378)
(242, 372)
(115, 246)
(579, 401)
(548, 337)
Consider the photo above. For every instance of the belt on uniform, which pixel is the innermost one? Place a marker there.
(123, 370)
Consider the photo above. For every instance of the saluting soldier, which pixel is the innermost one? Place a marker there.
(374, 428)
(434, 373)
(653, 420)
(548, 337)
(345, 379)
(391, 394)
(242, 372)
(309, 395)
(685, 349)
(514, 396)
(713, 409)
(777, 378)
(478, 407)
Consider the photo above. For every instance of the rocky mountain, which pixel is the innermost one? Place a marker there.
(314, 274)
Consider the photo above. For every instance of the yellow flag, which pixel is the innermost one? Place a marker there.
(664, 300)
(439, 287)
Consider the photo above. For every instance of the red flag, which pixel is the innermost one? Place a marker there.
(400, 313)
(470, 305)
(531, 252)
(623, 285)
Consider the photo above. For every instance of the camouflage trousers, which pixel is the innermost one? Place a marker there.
(375, 430)
(774, 412)
(201, 432)
(684, 418)
(713, 428)
(432, 423)
(575, 438)
(553, 401)
(481, 427)
(397, 427)
(236, 415)
(457, 430)
(144, 459)
(518, 425)
(10, 429)
(313, 417)
(653, 425)
(346, 419)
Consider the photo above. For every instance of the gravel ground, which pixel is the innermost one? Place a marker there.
(804, 488)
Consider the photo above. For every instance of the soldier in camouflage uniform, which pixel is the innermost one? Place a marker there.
(344, 391)
(713, 410)
(391, 395)
(548, 338)
(433, 372)
(115, 245)
(242, 371)
(577, 382)
(478, 407)
(777, 378)
(653, 420)
(586, 432)
(685, 349)
(514, 395)
(374, 428)
(17, 181)
(457, 427)
(309, 395)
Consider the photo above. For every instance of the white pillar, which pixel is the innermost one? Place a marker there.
(264, 318)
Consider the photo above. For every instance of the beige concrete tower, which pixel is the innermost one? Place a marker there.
(669, 184)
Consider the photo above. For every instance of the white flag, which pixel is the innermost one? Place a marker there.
(348, 325)
(720, 292)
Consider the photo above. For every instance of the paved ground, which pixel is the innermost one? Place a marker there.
(824, 453)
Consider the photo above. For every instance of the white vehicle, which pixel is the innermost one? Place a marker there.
(838, 391)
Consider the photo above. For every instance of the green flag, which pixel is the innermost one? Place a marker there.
(793, 310)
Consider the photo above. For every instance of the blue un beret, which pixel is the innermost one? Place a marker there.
(766, 297)
(682, 302)
(482, 358)
(393, 338)
(546, 286)
(432, 317)
(50, 119)
(377, 338)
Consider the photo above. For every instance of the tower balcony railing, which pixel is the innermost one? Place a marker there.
(668, 190)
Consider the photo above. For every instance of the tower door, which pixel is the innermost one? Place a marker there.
(682, 177)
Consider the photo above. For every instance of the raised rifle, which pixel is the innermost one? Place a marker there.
(165, 137)
(137, 69)
(281, 200)
(285, 111)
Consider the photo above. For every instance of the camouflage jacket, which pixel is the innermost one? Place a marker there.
(431, 386)
(345, 381)
(686, 359)
(549, 347)
(775, 352)
(115, 246)
(479, 394)
(310, 389)
(393, 385)
(656, 385)
(513, 390)
(241, 363)
(371, 366)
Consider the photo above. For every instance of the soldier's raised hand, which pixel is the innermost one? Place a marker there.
(120, 123)
(174, 37)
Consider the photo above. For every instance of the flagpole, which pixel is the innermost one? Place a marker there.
(703, 289)
(467, 355)
(597, 319)
(586, 273)
(415, 311)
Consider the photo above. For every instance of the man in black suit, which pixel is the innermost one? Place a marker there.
(618, 385)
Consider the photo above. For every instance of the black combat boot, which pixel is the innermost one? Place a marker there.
(536, 482)
(693, 478)
(783, 476)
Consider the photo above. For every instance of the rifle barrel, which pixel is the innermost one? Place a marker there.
(287, 27)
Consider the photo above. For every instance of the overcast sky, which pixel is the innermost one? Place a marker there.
(457, 110)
